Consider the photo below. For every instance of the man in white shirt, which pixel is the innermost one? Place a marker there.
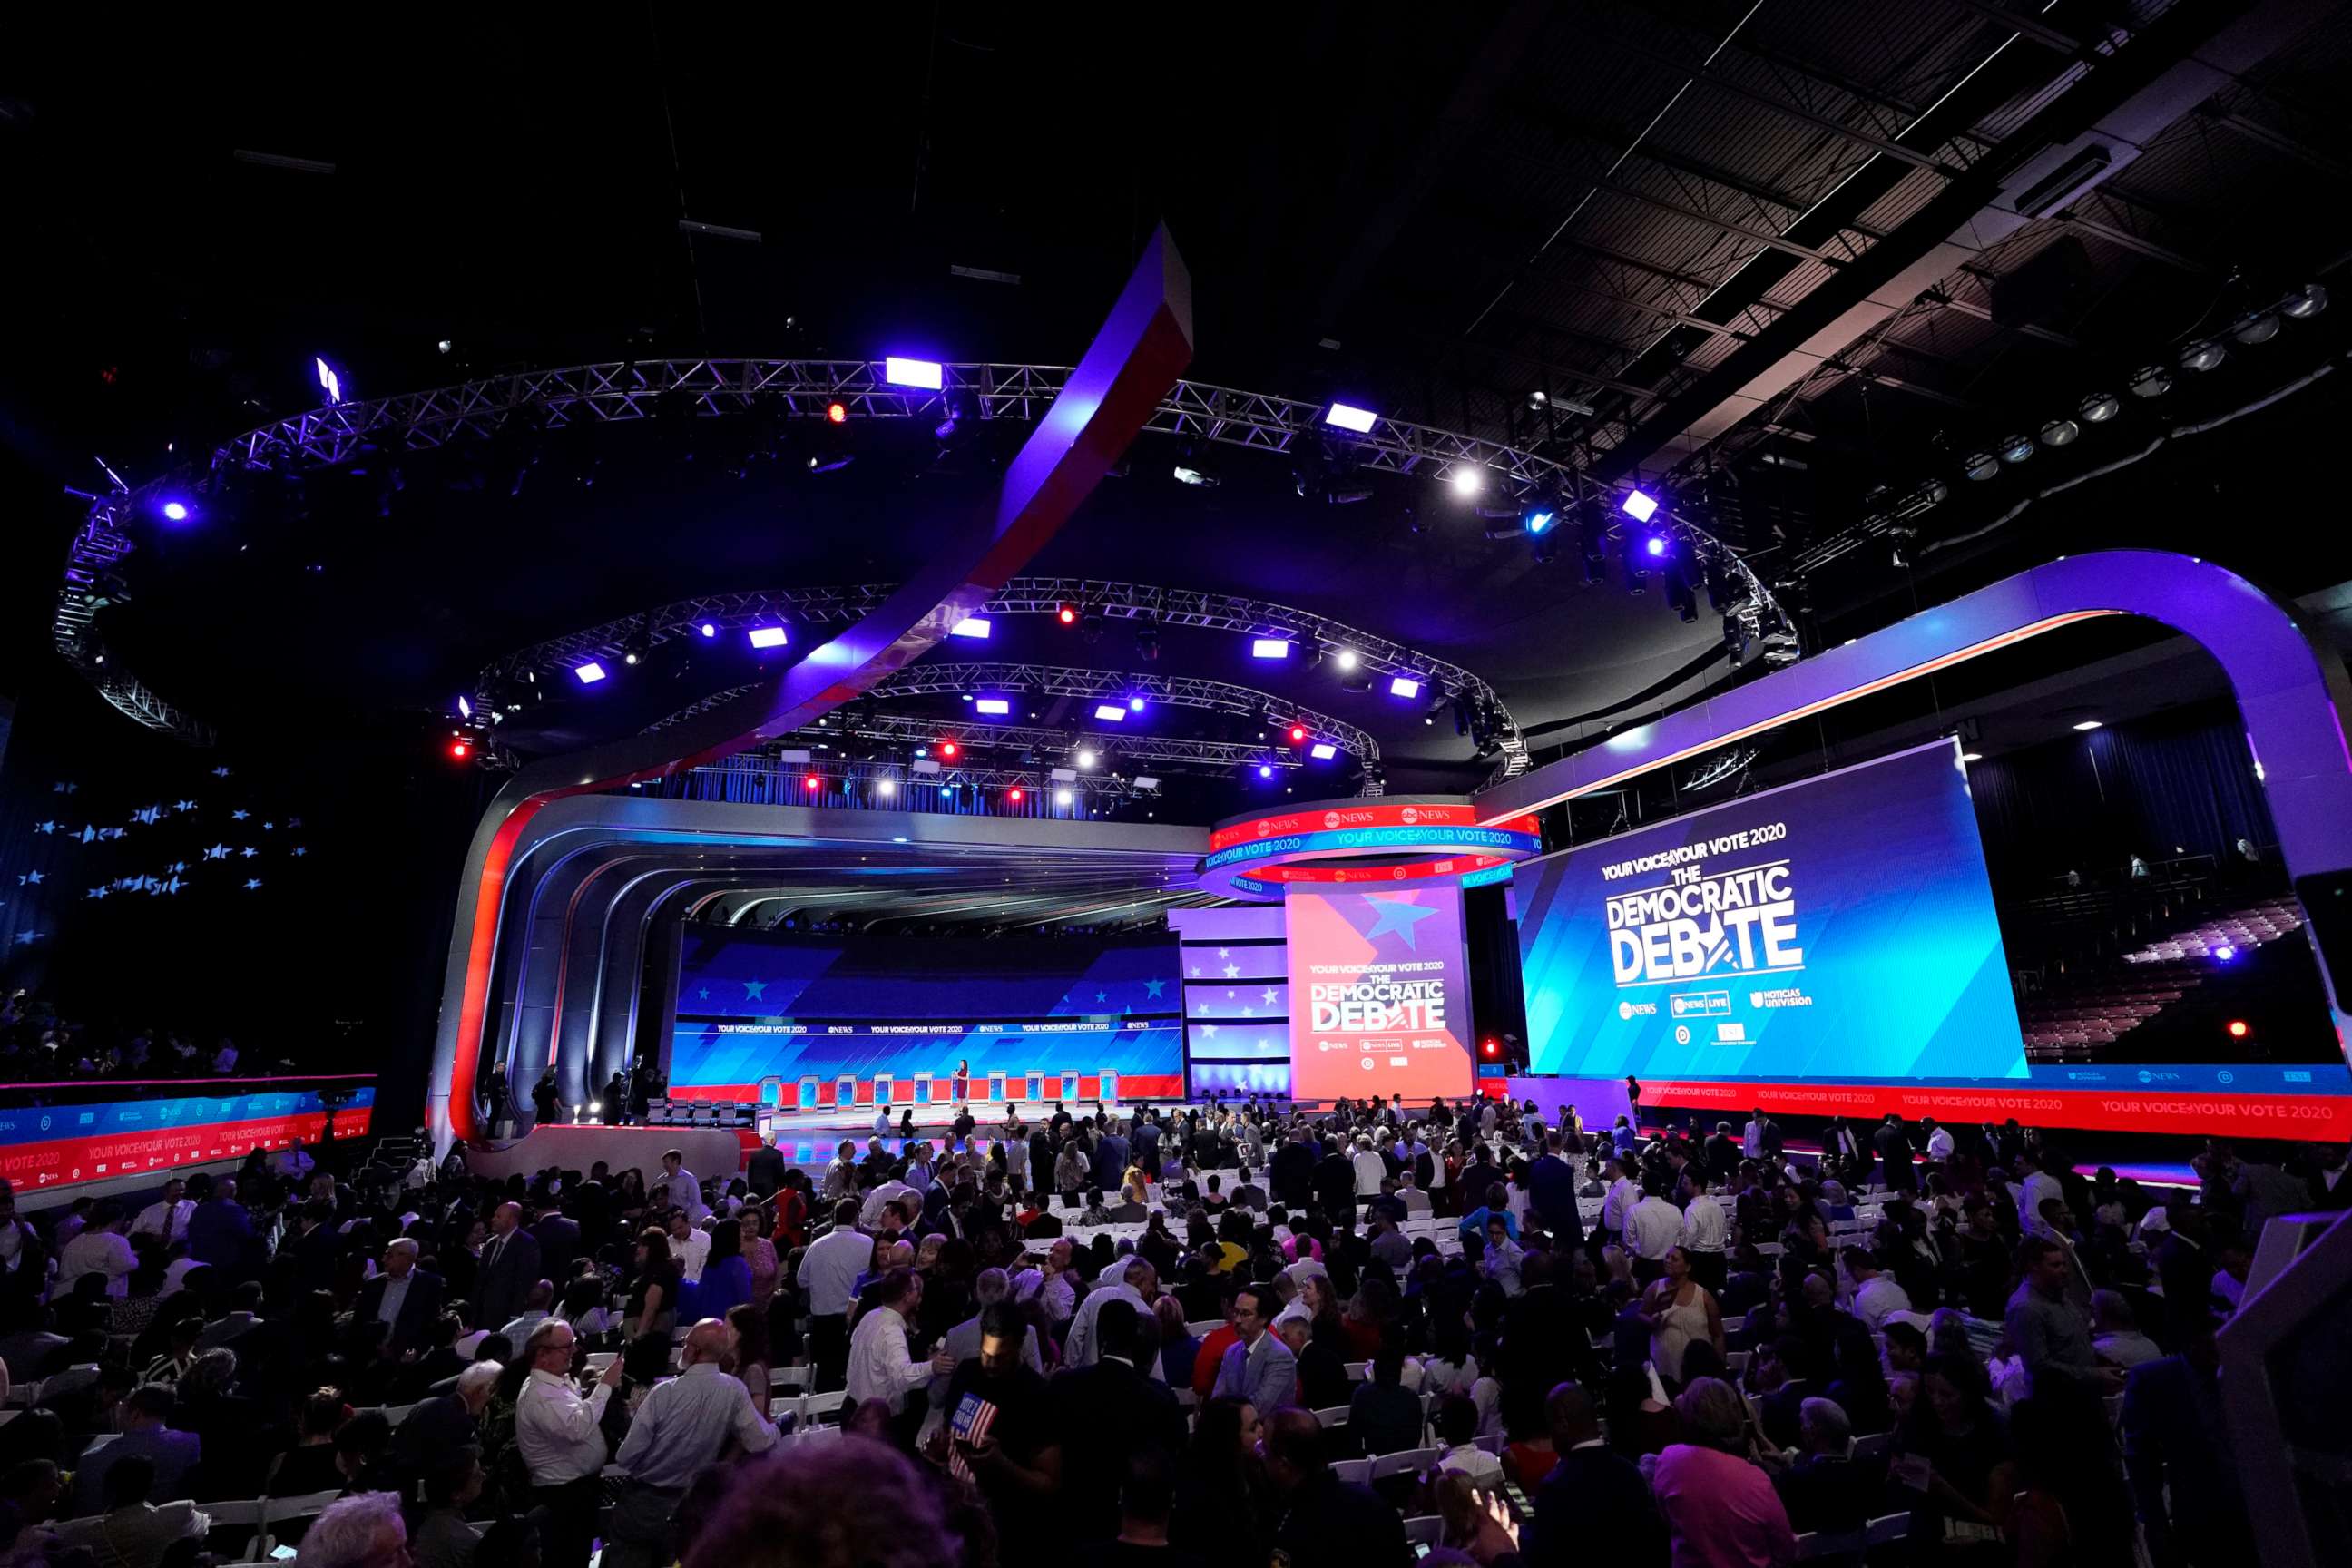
(1706, 1230)
(685, 1187)
(685, 1423)
(1940, 1145)
(689, 1246)
(1875, 1295)
(562, 1439)
(829, 1272)
(1751, 1142)
(2038, 1188)
(100, 1249)
(1058, 1295)
(1653, 1227)
(1371, 1169)
(1139, 1283)
(880, 1365)
(167, 1219)
(870, 1215)
(1622, 1195)
(882, 1120)
(840, 1177)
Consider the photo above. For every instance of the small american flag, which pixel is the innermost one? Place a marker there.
(974, 1418)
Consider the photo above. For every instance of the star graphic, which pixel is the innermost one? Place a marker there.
(112, 831)
(754, 990)
(27, 936)
(1154, 987)
(269, 827)
(1225, 952)
(147, 815)
(217, 852)
(248, 851)
(299, 851)
(1229, 993)
(1208, 1031)
(293, 822)
(1232, 970)
(1397, 915)
(1202, 1009)
(32, 877)
(1269, 996)
(176, 866)
(220, 773)
(705, 993)
(1102, 995)
(184, 805)
(45, 827)
(1249, 1011)
(99, 892)
(238, 816)
(87, 835)
(1196, 972)
(251, 883)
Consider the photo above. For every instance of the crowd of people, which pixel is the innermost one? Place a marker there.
(40, 1045)
(1642, 1343)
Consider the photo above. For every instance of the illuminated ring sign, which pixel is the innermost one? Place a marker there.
(1356, 843)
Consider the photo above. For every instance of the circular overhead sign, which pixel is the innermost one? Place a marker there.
(1361, 843)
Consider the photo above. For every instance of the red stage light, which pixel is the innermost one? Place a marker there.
(811, 783)
(836, 414)
(460, 750)
(2238, 1030)
(1014, 794)
(1068, 616)
(948, 748)
(1490, 1047)
(1298, 734)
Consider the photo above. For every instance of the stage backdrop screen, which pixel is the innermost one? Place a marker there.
(1380, 993)
(754, 1007)
(1841, 929)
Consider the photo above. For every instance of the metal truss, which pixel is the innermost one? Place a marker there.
(899, 729)
(99, 547)
(1099, 686)
(784, 783)
(621, 391)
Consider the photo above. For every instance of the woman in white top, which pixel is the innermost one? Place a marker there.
(1678, 1310)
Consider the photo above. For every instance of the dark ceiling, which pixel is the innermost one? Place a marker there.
(1698, 230)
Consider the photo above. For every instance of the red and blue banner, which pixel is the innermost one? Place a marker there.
(54, 1145)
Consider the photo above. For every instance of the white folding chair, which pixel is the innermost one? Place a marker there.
(1404, 1462)
(1809, 1546)
(1872, 1446)
(245, 1512)
(1356, 1370)
(810, 1406)
(1355, 1472)
(1335, 1416)
(283, 1510)
(1886, 1528)
(1425, 1530)
(1492, 1443)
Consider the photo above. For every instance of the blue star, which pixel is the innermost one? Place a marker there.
(1398, 917)
(32, 877)
(1154, 987)
(752, 989)
(99, 892)
(45, 827)
(147, 815)
(87, 835)
(220, 773)
(217, 852)
(1102, 995)
(176, 866)
(248, 851)
(299, 851)
(28, 936)
(269, 827)
(184, 805)
(705, 993)
(251, 883)
(238, 816)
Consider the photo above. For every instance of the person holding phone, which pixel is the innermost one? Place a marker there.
(999, 1436)
(1952, 1458)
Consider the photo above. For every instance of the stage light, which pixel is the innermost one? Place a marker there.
(708, 629)
(1639, 505)
(330, 383)
(2225, 952)
(2014, 450)
(2256, 329)
(1068, 615)
(175, 510)
(1980, 466)
(1014, 794)
(1972, 756)
(1538, 523)
(1135, 704)
(465, 708)
(994, 706)
(2205, 355)
(630, 657)
(976, 627)
(2059, 432)
(590, 673)
(1266, 770)
(1403, 686)
(1269, 647)
(2238, 1030)
(443, 346)
(1298, 734)
(1087, 759)
(2305, 302)
(1061, 797)
(768, 636)
(2100, 407)
(949, 749)
(1654, 545)
(2153, 382)
(1347, 658)
(1147, 644)
(1490, 1047)
(1344, 417)
(1467, 479)
(811, 783)
(885, 788)
(460, 750)
(926, 373)
(836, 414)
(2087, 725)
(1110, 713)
(1323, 751)
(1199, 478)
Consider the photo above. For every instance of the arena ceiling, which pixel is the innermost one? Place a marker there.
(1708, 249)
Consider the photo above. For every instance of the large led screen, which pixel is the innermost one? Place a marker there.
(1380, 995)
(1842, 928)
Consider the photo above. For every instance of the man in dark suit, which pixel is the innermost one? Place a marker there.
(1291, 1172)
(1894, 1152)
(439, 1426)
(2331, 1183)
(765, 1171)
(510, 1269)
(220, 1234)
(1594, 1507)
(1105, 1414)
(141, 1417)
(1335, 1184)
(406, 1297)
(2182, 1477)
(1722, 1152)
(1551, 1188)
(559, 1243)
(317, 1246)
(2186, 1267)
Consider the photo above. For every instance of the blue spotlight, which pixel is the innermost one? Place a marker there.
(1538, 523)
(1655, 544)
(710, 629)
(1135, 704)
(2225, 954)
(176, 511)
(1266, 770)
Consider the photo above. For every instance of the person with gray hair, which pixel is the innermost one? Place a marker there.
(1720, 1507)
(436, 1428)
(988, 1287)
(1139, 1283)
(359, 1532)
(2115, 1335)
(1828, 1488)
